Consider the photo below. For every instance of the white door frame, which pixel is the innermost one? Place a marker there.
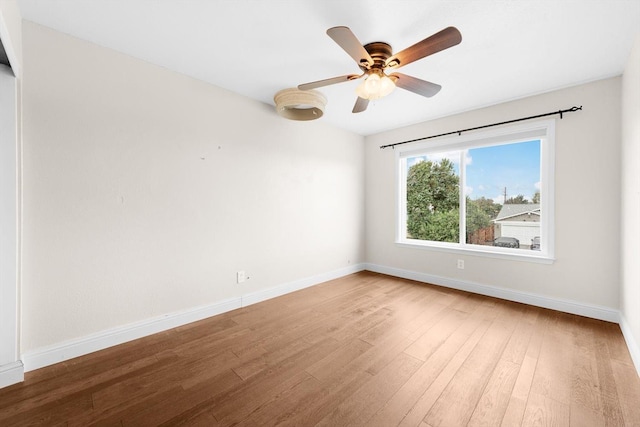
(11, 368)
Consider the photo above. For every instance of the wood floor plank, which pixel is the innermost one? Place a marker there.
(184, 407)
(325, 368)
(402, 401)
(611, 406)
(585, 385)
(581, 416)
(326, 398)
(232, 412)
(354, 328)
(618, 350)
(249, 368)
(170, 408)
(521, 337)
(428, 343)
(100, 379)
(365, 349)
(204, 329)
(627, 386)
(544, 411)
(458, 401)
(358, 408)
(553, 370)
(344, 303)
(383, 330)
(280, 403)
(493, 403)
(52, 413)
(291, 328)
(426, 319)
(490, 408)
(426, 401)
(520, 394)
(257, 313)
(241, 401)
(407, 305)
(336, 323)
(385, 350)
(218, 342)
(274, 336)
(137, 387)
(113, 415)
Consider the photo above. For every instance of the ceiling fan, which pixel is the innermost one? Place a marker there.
(374, 59)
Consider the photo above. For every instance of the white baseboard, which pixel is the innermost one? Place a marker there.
(296, 285)
(79, 347)
(60, 352)
(632, 344)
(11, 373)
(567, 306)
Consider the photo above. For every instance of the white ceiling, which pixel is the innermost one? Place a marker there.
(510, 48)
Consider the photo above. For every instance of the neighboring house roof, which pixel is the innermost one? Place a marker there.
(513, 210)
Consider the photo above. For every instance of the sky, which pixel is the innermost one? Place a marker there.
(490, 169)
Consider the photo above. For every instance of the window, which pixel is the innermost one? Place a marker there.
(485, 193)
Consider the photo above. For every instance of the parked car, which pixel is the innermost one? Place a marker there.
(506, 242)
(535, 244)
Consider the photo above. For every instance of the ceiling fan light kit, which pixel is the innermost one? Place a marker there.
(375, 86)
(296, 104)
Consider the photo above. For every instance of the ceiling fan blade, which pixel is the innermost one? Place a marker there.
(415, 85)
(350, 43)
(442, 40)
(361, 105)
(327, 82)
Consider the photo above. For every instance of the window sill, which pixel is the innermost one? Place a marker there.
(535, 257)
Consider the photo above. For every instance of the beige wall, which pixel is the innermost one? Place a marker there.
(145, 191)
(587, 171)
(630, 287)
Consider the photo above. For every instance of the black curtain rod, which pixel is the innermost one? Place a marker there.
(459, 132)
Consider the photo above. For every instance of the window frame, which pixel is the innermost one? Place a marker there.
(543, 130)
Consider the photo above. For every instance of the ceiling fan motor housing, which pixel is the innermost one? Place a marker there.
(379, 52)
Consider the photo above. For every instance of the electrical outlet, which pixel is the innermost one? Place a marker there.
(241, 276)
(461, 264)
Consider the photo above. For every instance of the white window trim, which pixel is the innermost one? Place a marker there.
(543, 130)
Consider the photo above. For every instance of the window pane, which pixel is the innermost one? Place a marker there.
(433, 197)
(502, 194)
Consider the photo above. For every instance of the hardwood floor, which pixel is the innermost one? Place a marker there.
(366, 349)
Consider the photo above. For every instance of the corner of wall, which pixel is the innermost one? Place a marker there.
(630, 204)
(634, 348)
